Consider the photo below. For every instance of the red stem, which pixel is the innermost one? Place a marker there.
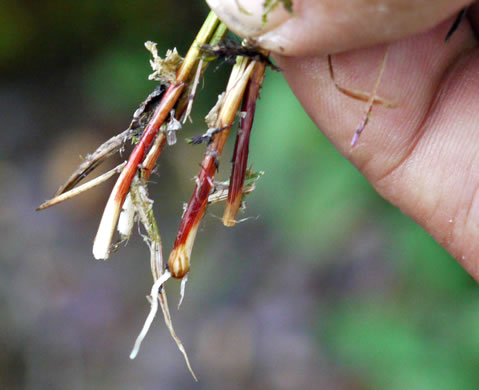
(199, 200)
(161, 113)
(241, 151)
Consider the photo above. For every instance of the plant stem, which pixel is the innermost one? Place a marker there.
(240, 156)
(179, 260)
(109, 220)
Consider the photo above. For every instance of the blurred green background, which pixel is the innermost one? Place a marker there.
(326, 287)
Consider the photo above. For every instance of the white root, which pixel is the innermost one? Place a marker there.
(143, 206)
(155, 290)
(169, 325)
(182, 290)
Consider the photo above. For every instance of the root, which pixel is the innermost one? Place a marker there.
(169, 325)
(144, 209)
(153, 298)
(182, 290)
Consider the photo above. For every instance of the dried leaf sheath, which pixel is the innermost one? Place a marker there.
(179, 260)
(82, 188)
(241, 151)
(107, 149)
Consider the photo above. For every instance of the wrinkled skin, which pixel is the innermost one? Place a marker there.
(422, 156)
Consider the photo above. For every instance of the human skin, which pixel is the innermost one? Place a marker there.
(421, 156)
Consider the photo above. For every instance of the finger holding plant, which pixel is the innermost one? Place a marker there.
(160, 116)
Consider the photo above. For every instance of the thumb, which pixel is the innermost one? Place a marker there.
(329, 26)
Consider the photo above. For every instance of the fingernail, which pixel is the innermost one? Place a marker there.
(275, 40)
(245, 17)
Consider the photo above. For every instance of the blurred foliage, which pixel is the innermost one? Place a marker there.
(335, 286)
(315, 184)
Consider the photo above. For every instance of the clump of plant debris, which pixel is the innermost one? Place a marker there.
(155, 124)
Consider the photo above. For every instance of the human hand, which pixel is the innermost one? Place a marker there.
(421, 156)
